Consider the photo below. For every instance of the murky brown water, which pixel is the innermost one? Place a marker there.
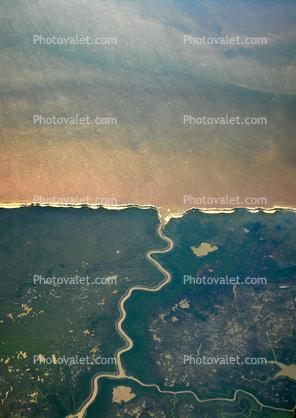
(148, 82)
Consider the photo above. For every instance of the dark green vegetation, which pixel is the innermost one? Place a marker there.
(181, 318)
(149, 403)
(65, 320)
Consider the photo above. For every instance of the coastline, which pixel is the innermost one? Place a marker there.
(127, 342)
(164, 215)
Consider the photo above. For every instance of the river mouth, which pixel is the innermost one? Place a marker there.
(86, 243)
(243, 222)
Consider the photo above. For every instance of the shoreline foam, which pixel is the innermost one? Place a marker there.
(164, 215)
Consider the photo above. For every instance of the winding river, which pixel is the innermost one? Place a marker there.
(121, 374)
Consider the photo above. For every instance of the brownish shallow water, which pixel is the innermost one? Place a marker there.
(138, 176)
(148, 82)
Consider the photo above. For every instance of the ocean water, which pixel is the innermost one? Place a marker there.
(148, 80)
(161, 84)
